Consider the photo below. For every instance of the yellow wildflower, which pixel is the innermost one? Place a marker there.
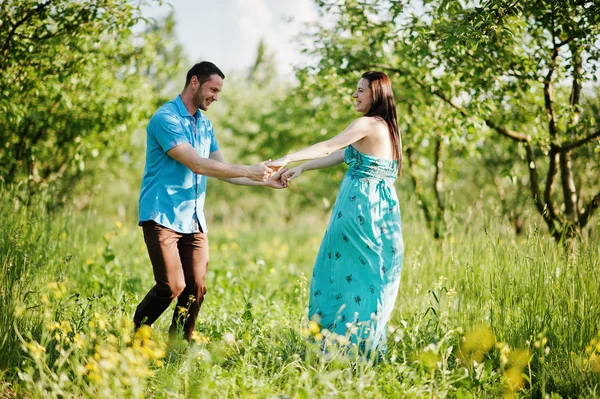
(35, 349)
(594, 363)
(19, 310)
(514, 379)
(313, 327)
(476, 344)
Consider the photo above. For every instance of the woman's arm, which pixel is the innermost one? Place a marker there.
(335, 158)
(332, 159)
(354, 132)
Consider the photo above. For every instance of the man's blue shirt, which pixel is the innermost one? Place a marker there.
(171, 194)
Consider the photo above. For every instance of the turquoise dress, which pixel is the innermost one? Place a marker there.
(357, 272)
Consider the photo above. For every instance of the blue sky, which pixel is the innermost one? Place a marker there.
(227, 32)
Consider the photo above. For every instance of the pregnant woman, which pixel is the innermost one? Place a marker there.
(357, 271)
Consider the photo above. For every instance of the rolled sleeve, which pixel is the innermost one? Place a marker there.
(214, 146)
(167, 131)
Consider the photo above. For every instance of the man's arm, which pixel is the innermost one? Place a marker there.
(186, 154)
(244, 181)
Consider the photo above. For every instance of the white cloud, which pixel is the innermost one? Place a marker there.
(278, 23)
(227, 32)
(255, 21)
(285, 42)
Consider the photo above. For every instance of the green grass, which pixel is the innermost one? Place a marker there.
(536, 298)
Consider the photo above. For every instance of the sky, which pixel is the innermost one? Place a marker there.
(227, 32)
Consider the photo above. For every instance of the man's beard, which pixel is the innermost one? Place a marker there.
(199, 101)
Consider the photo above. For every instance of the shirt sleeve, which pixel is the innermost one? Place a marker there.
(167, 131)
(214, 146)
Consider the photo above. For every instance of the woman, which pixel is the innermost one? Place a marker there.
(357, 271)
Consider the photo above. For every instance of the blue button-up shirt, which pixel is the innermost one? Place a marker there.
(171, 194)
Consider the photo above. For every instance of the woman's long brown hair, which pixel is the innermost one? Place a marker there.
(384, 107)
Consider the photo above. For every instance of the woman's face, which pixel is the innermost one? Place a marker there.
(363, 96)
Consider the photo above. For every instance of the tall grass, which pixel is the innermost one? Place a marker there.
(35, 247)
(486, 289)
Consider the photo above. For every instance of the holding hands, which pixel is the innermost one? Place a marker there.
(277, 164)
(259, 171)
(273, 174)
(275, 181)
(265, 172)
(287, 174)
(284, 175)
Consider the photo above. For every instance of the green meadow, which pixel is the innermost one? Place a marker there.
(483, 314)
(498, 104)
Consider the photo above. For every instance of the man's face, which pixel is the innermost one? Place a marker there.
(207, 93)
(363, 96)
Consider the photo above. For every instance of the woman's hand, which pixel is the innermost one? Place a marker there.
(276, 181)
(278, 163)
(288, 175)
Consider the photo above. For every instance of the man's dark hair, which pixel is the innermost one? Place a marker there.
(203, 70)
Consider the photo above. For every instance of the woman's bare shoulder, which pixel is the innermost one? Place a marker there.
(369, 122)
(372, 124)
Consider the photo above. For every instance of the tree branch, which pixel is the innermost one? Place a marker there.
(534, 184)
(576, 85)
(566, 164)
(438, 176)
(419, 192)
(548, 97)
(552, 128)
(568, 185)
(566, 41)
(585, 217)
(21, 22)
(550, 180)
(524, 138)
(534, 180)
(511, 134)
(578, 143)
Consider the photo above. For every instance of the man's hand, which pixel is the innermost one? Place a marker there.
(259, 171)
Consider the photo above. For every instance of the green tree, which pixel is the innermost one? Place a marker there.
(358, 41)
(506, 69)
(262, 116)
(76, 78)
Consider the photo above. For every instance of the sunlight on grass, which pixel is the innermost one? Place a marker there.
(480, 316)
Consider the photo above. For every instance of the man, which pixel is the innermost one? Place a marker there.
(181, 151)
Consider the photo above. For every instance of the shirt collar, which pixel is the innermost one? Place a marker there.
(183, 110)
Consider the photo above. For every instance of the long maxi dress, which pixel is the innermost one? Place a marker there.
(356, 274)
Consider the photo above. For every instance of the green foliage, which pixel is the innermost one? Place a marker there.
(35, 247)
(516, 305)
(79, 81)
(260, 117)
(75, 81)
(471, 72)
